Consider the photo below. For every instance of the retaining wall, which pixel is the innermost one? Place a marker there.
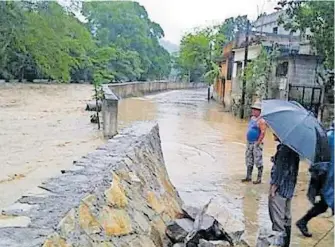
(113, 92)
(132, 89)
(119, 195)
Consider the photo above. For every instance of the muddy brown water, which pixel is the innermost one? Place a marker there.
(43, 128)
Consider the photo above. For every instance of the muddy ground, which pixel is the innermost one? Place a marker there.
(43, 128)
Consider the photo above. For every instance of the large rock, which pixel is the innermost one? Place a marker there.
(232, 228)
(192, 212)
(178, 229)
(209, 231)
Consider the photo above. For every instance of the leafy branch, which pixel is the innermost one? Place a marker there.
(258, 74)
(213, 74)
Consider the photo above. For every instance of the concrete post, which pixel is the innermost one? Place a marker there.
(109, 113)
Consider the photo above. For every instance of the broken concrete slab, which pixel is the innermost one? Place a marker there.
(192, 212)
(207, 223)
(232, 228)
(218, 243)
(178, 229)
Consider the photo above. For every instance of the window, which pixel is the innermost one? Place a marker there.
(230, 68)
(238, 68)
(282, 69)
(275, 30)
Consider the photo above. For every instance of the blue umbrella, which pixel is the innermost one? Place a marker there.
(297, 128)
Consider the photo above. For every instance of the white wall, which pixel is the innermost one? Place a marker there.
(268, 22)
(253, 53)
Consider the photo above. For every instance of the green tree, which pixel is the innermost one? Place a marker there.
(213, 74)
(257, 75)
(318, 18)
(201, 49)
(46, 40)
(111, 63)
(254, 75)
(198, 52)
(56, 40)
(126, 25)
(41, 40)
(12, 25)
(231, 26)
(194, 50)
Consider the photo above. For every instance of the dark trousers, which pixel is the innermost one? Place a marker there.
(317, 209)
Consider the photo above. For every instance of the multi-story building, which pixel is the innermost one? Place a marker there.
(294, 70)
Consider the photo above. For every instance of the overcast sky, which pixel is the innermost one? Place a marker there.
(179, 16)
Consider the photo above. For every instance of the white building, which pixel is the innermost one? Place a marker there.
(269, 24)
(296, 64)
(238, 66)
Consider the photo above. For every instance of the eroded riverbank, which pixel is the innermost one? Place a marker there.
(44, 128)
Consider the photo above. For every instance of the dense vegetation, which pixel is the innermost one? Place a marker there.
(201, 49)
(45, 40)
(318, 18)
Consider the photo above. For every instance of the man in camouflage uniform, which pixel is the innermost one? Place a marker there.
(254, 151)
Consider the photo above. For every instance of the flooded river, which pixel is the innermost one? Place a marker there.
(43, 128)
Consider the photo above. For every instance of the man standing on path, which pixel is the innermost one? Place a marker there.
(284, 175)
(254, 151)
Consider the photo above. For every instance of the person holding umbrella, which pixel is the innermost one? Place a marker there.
(254, 152)
(326, 190)
(284, 175)
(298, 131)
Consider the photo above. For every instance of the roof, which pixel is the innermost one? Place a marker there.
(261, 20)
(251, 46)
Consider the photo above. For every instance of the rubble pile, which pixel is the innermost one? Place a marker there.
(198, 228)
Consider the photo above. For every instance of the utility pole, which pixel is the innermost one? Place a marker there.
(244, 71)
(268, 77)
(209, 65)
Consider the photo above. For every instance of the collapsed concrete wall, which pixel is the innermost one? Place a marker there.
(133, 89)
(119, 195)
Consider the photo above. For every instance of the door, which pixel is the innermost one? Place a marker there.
(308, 96)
